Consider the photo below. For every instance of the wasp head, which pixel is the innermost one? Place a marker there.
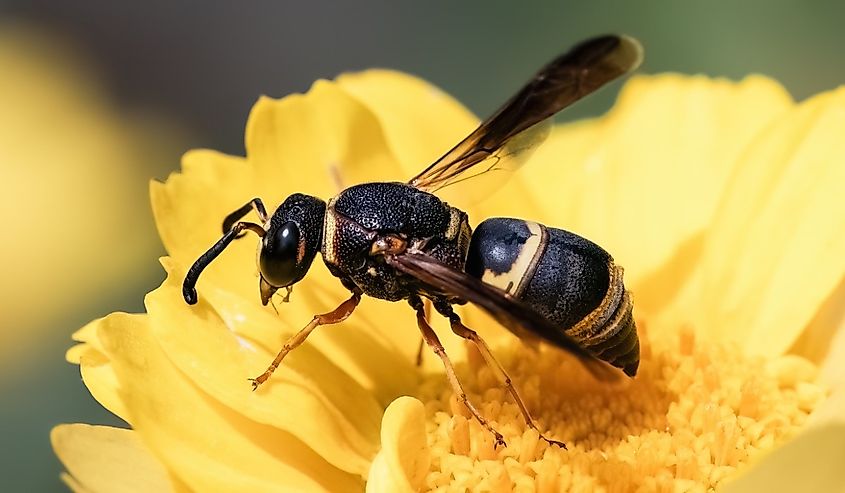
(291, 242)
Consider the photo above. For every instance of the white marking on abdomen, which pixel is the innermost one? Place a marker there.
(523, 267)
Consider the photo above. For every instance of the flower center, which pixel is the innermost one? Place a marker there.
(695, 413)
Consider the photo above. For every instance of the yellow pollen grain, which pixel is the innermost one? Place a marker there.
(695, 413)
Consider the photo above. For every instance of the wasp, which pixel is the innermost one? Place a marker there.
(398, 241)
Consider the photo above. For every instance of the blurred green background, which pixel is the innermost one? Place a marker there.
(97, 97)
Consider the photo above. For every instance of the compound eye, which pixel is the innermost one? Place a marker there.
(278, 257)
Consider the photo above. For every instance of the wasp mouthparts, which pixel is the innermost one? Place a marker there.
(267, 291)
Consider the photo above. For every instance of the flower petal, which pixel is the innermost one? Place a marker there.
(774, 250)
(74, 353)
(189, 210)
(316, 143)
(209, 446)
(100, 379)
(419, 121)
(72, 484)
(811, 462)
(831, 410)
(106, 459)
(87, 335)
(403, 461)
(823, 341)
(343, 417)
(95, 367)
(645, 180)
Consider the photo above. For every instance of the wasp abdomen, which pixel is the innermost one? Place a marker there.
(569, 280)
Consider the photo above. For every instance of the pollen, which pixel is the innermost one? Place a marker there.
(696, 413)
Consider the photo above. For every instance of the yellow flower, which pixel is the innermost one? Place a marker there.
(720, 199)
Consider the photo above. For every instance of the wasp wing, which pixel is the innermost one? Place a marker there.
(509, 312)
(568, 78)
(494, 171)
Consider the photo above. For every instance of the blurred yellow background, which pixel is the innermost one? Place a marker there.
(98, 97)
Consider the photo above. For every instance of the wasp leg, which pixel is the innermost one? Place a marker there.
(419, 359)
(463, 331)
(339, 314)
(434, 343)
(420, 352)
(232, 218)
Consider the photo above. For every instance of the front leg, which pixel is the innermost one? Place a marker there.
(337, 315)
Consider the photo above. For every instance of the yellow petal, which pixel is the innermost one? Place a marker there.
(74, 353)
(823, 341)
(95, 367)
(343, 417)
(812, 462)
(832, 410)
(106, 459)
(189, 210)
(403, 461)
(774, 251)
(72, 484)
(87, 335)
(209, 446)
(316, 143)
(645, 180)
(420, 121)
(100, 379)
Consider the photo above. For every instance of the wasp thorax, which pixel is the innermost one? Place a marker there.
(292, 241)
